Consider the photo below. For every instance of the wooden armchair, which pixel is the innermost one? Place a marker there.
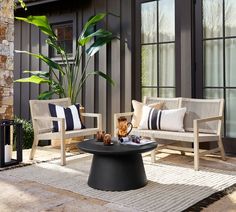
(42, 124)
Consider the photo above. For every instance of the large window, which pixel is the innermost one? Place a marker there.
(158, 48)
(219, 56)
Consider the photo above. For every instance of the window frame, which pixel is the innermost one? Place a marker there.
(61, 24)
(62, 19)
(137, 72)
(199, 61)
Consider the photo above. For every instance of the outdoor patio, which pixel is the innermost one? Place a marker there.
(37, 191)
(158, 70)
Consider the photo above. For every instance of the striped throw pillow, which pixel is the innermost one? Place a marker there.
(71, 115)
(170, 120)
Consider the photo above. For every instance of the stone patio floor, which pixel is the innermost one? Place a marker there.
(22, 195)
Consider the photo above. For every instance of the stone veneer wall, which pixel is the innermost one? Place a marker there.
(6, 58)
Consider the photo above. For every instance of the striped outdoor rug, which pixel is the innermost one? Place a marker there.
(170, 188)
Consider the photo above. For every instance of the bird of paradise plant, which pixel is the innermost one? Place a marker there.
(70, 71)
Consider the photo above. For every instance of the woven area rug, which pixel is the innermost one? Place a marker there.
(170, 188)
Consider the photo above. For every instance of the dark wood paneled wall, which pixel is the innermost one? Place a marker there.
(114, 59)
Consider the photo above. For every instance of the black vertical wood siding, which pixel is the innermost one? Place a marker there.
(114, 59)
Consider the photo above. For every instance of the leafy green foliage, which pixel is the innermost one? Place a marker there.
(41, 22)
(45, 59)
(21, 2)
(72, 73)
(34, 79)
(28, 132)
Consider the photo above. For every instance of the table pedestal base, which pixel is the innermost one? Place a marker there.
(117, 172)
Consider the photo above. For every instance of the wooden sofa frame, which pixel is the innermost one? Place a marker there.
(42, 125)
(195, 134)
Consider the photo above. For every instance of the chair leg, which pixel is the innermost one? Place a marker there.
(222, 150)
(196, 155)
(63, 152)
(153, 156)
(153, 153)
(34, 146)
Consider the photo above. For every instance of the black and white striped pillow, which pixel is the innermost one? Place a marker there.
(71, 115)
(154, 119)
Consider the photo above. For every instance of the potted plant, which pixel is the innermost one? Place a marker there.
(72, 80)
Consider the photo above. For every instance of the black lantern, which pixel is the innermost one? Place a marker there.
(6, 135)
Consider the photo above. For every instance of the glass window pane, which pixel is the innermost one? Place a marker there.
(166, 20)
(68, 33)
(230, 17)
(212, 18)
(68, 46)
(167, 92)
(60, 43)
(230, 62)
(213, 93)
(230, 113)
(167, 64)
(149, 92)
(64, 34)
(149, 22)
(213, 62)
(60, 33)
(149, 65)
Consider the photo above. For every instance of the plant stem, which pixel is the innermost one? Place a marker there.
(83, 76)
(77, 74)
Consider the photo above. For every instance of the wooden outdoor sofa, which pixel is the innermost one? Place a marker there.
(202, 123)
(42, 124)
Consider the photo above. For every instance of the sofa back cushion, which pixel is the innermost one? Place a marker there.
(202, 108)
(138, 107)
(169, 103)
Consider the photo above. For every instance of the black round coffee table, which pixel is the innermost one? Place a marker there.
(118, 167)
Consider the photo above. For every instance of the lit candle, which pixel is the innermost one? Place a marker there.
(7, 153)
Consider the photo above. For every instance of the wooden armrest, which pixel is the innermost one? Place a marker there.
(91, 114)
(61, 123)
(208, 119)
(196, 123)
(95, 115)
(47, 118)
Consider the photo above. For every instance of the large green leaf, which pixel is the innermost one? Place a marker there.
(38, 73)
(45, 59)
(98, 33)
(94, 20)
(45, 95)
(88, 28)
(96, 46)
(109, 80)
(39, 21)
(34, 79)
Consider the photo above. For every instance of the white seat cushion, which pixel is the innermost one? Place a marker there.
(177, 136)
